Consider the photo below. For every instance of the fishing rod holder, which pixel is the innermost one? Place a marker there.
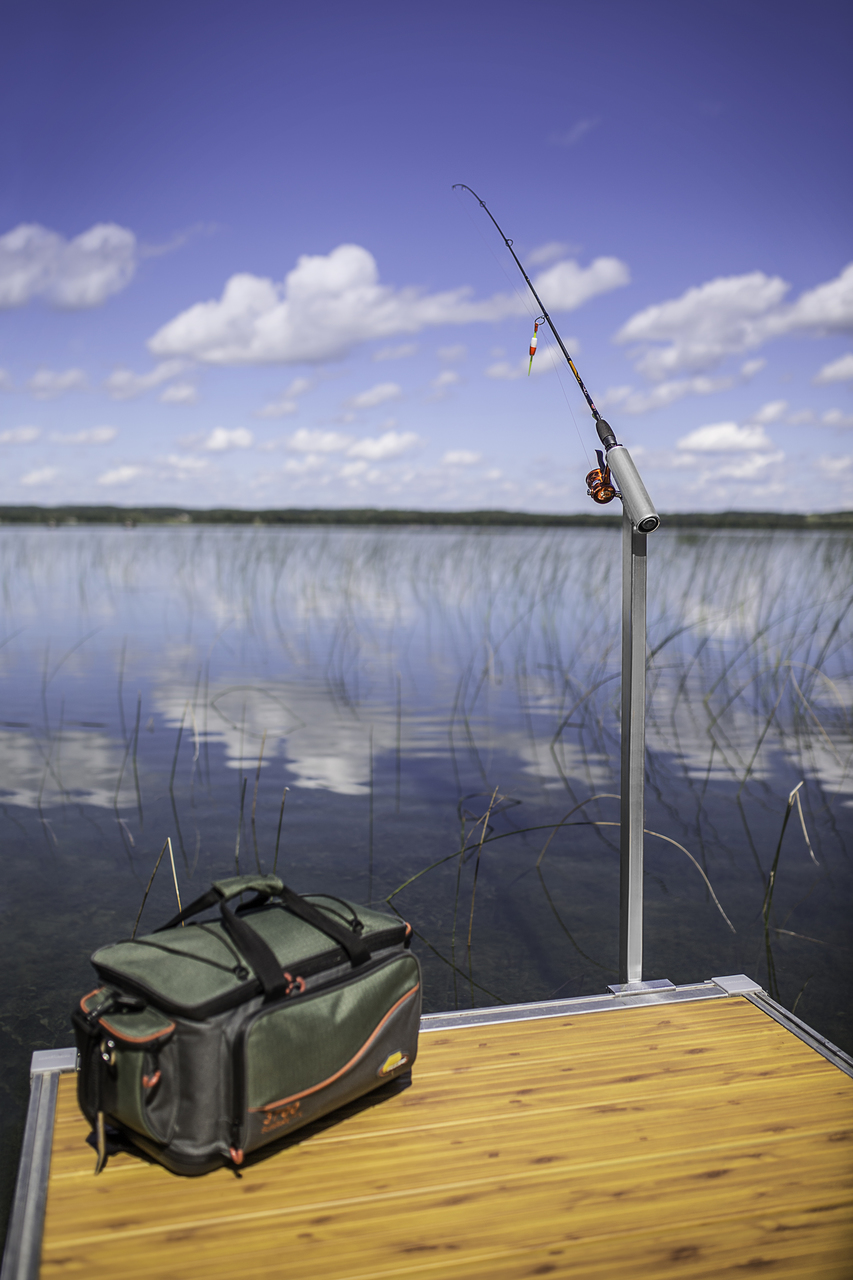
(636, 502)
(639, 519)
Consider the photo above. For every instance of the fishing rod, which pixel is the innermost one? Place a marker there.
(461, 186)
(631, 489)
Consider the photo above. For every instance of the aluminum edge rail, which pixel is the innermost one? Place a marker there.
(22, 1255)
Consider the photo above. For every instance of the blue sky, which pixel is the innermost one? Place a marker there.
(233, 271)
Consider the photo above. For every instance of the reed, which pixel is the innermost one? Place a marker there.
(278, 832)
(508, 641)
(166, 845)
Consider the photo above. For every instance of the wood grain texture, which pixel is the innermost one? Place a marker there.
(691, 1140)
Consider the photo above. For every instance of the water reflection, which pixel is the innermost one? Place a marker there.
(177, 680)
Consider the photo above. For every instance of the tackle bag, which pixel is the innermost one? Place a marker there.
(208, 1039)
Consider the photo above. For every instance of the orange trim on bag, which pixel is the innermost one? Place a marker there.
(271, 1106)
(102, 1022)
(122, 1035)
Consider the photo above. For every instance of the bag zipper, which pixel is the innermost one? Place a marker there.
(246, 991)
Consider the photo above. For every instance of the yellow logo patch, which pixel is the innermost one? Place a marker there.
(392, 1062)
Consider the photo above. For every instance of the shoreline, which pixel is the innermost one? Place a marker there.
(841, 521)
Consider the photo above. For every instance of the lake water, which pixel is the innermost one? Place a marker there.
(174, 681)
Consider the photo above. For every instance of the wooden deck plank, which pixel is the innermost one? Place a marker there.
(547, 1147)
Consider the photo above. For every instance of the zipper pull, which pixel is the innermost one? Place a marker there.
(235, 1151)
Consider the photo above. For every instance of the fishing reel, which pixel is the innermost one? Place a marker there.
(598, 483)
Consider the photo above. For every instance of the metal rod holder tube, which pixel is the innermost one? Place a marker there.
(633, 752)
(635, 498)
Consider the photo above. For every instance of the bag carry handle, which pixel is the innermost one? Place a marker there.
(259, 954)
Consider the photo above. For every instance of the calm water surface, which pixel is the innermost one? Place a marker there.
(404, 685)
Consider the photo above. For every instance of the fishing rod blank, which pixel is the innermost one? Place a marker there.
(461, 186)
(632, 491)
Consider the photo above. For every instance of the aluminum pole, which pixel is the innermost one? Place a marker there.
(633, 751)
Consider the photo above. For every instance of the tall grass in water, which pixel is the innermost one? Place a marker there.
(401, 671)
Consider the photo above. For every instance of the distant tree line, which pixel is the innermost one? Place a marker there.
(130, 516)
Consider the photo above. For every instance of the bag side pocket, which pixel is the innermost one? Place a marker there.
(127, 1070)
(308, 1055)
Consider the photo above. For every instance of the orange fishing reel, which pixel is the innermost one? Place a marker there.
(598, 483)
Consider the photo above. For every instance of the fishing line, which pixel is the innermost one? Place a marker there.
(522, 297)
(596, 415)
(525, 302)
(552, 352)
(462, 186)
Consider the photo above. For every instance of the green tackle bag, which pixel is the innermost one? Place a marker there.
(206, 1040)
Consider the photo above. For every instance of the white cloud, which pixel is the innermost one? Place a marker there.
(750, 368)
(305, 441)
(281, 408)
(389, 445)
(186, 465)
(180, 393)
(725, 437)
(664, 394)
(571, 137)
(773, 411)
(329, 304)
(6, 383)
(350, 470)
(566, 286)
(504, 371)
(835, 418)
(443, 382)
(373, 396)
(840, 370)
(400, 352)
(747, 468)
(615, 397)
(42, 475)
(642, 400)
(46, 384)
(732, 314)
(828, 308)
(120, 475)
(221, 438)
(20, 435)
(124, 384)
(299, 386)
(70, 274)
(458, 351)
(287, 402)
(92, 435)
(546, 253)
(705, 324)
(300, 466)
(461, 458)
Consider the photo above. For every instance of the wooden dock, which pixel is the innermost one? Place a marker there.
(679, 1137)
